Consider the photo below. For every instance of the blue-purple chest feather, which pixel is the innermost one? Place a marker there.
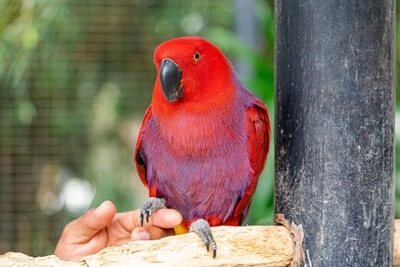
(199, 163)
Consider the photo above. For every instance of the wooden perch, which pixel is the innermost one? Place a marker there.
(237, 246)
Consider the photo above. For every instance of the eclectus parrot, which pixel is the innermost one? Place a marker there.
(204, 138)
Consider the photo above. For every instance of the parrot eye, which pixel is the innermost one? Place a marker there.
(197, 56)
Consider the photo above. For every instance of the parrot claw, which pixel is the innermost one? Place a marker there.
(202, 228)
(151, 205)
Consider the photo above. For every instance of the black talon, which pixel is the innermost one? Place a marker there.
(141, 218)
(214, 248)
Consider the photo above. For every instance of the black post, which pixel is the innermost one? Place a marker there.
(335, 127)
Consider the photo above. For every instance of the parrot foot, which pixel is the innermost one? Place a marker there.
(202, 228)
(151, 205)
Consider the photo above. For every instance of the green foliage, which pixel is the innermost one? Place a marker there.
(397, 165)
(76, 77)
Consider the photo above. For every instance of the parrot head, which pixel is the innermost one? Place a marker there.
(191, 70)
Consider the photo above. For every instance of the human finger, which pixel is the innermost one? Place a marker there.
(162, 218)
(150, 233)
(91, 222)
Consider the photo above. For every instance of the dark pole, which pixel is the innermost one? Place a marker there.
(335, 127)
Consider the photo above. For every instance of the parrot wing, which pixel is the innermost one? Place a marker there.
(140, 159)
(259, 132)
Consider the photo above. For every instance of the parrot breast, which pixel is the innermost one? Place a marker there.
(199, 162)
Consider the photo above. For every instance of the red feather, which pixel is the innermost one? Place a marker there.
(259, 130)
(203, 153)
(140, 164)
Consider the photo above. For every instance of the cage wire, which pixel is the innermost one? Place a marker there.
(76, 77)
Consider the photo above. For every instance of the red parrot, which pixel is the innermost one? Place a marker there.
(204, 138)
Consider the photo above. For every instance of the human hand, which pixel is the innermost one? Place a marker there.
(103, 227)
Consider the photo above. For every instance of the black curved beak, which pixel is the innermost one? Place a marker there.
(170, 77)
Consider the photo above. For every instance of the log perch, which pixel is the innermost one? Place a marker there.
(237, 246)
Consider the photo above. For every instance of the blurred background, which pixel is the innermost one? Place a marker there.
(76, 77)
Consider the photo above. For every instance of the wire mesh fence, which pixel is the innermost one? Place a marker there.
(76, 76)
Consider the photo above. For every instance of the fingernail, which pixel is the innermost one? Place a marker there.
(104, 205)
(142, 236)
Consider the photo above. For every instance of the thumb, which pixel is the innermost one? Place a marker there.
(90, 223)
